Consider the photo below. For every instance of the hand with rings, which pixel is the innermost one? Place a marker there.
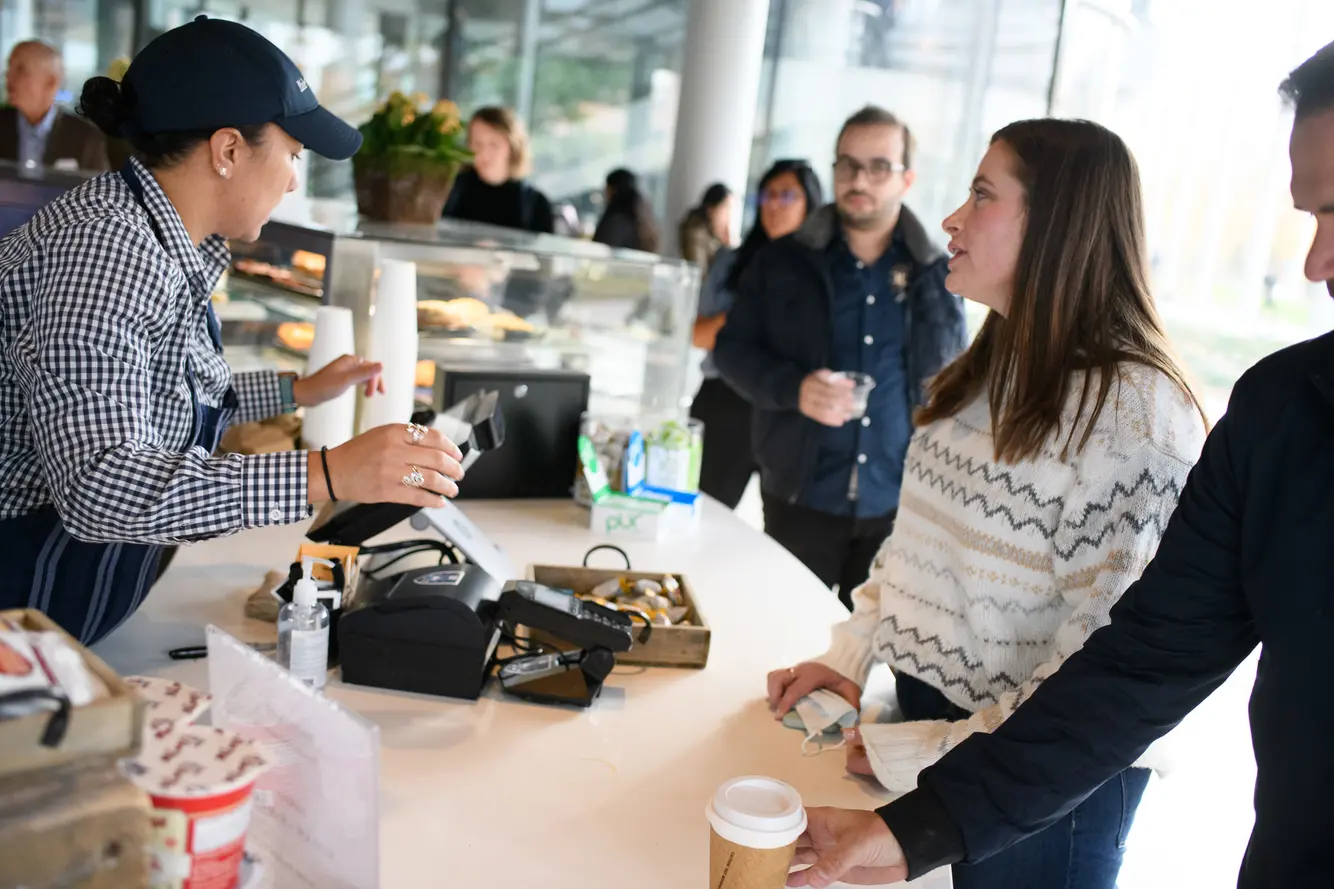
(409, 464)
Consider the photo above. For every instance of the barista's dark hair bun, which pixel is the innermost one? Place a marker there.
(103, 102)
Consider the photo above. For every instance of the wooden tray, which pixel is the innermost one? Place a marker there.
(98, 734)
(681, 646)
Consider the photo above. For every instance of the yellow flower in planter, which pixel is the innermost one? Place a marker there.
(447, 115)
(419, 99)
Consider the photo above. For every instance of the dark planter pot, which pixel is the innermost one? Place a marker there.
(391, 189)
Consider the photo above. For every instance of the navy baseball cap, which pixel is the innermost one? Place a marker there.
(210, 74)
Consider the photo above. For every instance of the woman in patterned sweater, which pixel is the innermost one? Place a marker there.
(1040, 478)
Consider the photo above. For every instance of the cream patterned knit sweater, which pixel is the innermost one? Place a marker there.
(996, 573)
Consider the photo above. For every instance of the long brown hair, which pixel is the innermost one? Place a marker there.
(1081, 299)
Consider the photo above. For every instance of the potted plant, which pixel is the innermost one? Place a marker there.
(408, 159)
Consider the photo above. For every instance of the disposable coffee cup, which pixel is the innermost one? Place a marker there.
(862, 384)
(754, 826)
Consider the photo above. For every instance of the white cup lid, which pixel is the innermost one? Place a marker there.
(757, 812)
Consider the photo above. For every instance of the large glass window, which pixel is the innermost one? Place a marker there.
(596, 80)
(954, 70)
(1192, 87)
(90, 34)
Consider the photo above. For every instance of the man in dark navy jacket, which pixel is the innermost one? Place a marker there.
(1245, 561)
(860, 287)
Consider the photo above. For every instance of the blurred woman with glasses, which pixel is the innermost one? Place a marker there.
(788, 193)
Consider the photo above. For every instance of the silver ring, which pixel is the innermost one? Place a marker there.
(416, 432)
(414, 479)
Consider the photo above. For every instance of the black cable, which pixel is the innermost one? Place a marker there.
(611, 547)
(380, 548)
(379, 571)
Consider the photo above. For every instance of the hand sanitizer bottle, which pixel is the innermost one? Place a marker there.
(303, 631)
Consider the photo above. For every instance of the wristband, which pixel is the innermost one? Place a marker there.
(286, 391)
(328, 482)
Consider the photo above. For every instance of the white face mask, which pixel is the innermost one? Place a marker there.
(823, 716)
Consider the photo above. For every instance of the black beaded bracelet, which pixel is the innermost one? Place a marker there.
(328, 482)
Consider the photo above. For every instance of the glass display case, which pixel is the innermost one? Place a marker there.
(488, 298)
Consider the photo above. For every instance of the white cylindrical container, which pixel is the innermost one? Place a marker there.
(393, 342)
(332, 423)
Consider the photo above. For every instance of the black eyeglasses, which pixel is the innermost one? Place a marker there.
(847, 169)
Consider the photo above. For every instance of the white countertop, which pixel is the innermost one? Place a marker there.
(607, 797)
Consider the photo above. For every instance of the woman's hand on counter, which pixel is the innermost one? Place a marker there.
(337, 377)
(786, 687)
(372, 468)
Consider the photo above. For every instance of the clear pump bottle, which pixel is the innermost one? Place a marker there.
(303, 630)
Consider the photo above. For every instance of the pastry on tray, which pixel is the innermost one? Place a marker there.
(453, 314)
(296, 335)
(311, 263)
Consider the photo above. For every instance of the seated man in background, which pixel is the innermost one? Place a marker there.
(34, 132)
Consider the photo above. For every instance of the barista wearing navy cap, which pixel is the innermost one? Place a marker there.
(113, 387)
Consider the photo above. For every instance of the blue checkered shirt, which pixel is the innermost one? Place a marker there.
(103, 337)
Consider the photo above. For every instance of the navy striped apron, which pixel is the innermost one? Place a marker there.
(92, 588)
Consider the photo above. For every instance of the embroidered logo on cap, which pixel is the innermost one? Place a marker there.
(301, 85)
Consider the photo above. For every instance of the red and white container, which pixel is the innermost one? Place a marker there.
(200, 780)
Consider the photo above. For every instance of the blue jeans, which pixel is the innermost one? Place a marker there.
(1083, 850)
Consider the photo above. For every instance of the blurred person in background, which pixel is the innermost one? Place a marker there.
(627, 221)
(492, 190)
(788, 193)
(859, 288)
(707, 228)
(34, 131)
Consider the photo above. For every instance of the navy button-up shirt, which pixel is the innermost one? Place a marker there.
(859, 466)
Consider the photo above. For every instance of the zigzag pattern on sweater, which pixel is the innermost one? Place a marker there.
(926, 565)
(953, 491)
(986, 640)
(933, 643)
(943, 681)
(1168, 492)
(992, 475)
(1168, 489)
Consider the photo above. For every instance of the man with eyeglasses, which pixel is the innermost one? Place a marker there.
(859, 289)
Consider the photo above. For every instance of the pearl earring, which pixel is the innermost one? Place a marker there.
(222, 171)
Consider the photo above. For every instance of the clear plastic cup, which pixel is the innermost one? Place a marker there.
(862, 384)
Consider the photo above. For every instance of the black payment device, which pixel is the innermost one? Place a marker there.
(588, 624)
(563, 676)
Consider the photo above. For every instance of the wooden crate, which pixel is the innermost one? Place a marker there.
(75, 828)
(100, 733)
(683, 646)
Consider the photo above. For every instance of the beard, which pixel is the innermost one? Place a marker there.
(860, 221)
(870, 219)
